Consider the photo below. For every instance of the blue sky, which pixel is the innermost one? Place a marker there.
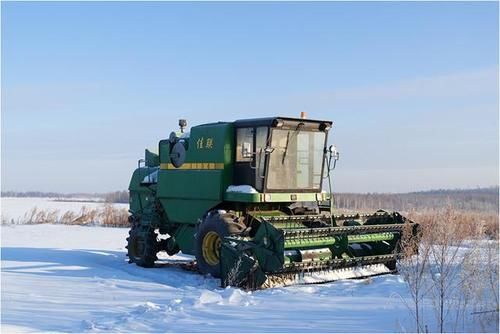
(411, 87)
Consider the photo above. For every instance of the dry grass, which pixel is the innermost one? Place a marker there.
(232, 275)
(456, 268)
(107, 215)
(468, 225)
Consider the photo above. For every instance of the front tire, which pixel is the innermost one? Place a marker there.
(211, 232)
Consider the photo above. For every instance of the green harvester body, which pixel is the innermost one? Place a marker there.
(246, 199)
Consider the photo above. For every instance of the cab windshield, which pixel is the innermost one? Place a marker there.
(296, 160)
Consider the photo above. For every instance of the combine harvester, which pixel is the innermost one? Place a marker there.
(245, 198)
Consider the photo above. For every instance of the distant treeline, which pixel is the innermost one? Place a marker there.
(111, 197)
(480, 200)
(48, 194)
(116, 197)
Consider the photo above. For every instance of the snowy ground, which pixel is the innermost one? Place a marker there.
(61, 278)
(76, 279)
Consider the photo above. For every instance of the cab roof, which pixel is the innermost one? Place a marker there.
(273, 121)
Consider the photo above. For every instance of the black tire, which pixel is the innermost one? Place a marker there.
(142, 247)
(214, 223)
(392, 265)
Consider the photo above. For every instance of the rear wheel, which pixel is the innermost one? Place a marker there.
(212, 230)
(142, 247)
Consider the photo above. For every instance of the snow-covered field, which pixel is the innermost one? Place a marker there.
(73, 278)
(61, 278)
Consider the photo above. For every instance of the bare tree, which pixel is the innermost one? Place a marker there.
(413, 268)
(452, 268)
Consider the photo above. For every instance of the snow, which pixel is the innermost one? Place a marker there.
(74, 278)
(61, 278)
(245, 189)
(151, 178)
(210, 297)
(375, 269)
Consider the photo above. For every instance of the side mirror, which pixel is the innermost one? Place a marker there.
(246, 150)
(334, 154)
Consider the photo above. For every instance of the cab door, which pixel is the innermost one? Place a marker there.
(250, 157)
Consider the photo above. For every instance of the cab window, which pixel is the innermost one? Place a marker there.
(244, 144)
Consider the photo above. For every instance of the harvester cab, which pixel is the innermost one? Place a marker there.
(246, 199)
(280, 155)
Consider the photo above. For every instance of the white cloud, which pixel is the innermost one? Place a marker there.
(475, 84)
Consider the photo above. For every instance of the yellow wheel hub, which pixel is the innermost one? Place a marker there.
(211, 248)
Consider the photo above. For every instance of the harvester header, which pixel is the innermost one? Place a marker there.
(246, 198)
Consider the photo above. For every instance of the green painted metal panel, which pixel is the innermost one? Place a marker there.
(242, 197)
(138, 176)
(186, 210)
(151, 159)
(191, 184)
(190, 190)
(184, 237)
(140, 196)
